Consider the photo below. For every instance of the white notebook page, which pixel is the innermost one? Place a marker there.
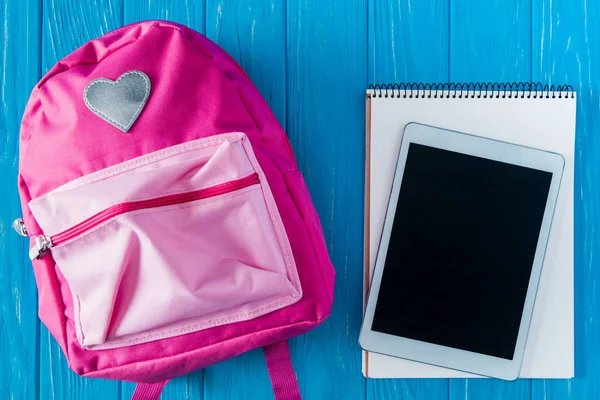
(544, 123)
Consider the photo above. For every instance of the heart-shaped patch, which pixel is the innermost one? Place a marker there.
(118, 102)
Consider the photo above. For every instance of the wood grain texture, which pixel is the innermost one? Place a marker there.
(566, 50)
(19, 326)
(311, 60)
(67, 25)
(490, 41)
(500, 51)
(326, 79)
(187, 12)
(408, 42)
(252, 32)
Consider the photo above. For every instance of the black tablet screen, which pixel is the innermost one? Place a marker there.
(461, 251)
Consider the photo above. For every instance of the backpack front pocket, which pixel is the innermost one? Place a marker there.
(173, 242)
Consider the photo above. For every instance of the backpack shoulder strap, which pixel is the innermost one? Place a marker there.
(281, 372)
(148, 391)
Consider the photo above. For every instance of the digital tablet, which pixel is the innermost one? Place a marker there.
(461, 251)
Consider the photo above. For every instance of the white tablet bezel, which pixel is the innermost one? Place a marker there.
(441, 355)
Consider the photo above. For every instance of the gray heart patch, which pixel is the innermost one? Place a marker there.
(118, 102)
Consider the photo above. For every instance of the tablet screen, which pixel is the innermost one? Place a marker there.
(461, 251)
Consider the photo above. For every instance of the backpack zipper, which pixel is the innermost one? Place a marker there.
(43, 243)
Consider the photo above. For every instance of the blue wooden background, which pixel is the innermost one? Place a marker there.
(312, 60)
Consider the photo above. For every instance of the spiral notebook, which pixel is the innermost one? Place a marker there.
(527, 114)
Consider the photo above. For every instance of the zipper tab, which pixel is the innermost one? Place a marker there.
(19, 226)
(41, 247)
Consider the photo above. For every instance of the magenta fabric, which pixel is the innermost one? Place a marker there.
(281, 371)
(198, 91)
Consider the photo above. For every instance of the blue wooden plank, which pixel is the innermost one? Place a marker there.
(244, 377)
(490, 41)
(408, 42)
(66, 26)
(253, 33)
(19, 326)
(188, 12)
(566, 50)
(69, 24)
(326, 77)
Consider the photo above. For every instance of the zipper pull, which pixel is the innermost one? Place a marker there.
(41, 247)
(19, 226)
(42, 242)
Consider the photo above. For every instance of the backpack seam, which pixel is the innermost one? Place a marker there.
(317, 321)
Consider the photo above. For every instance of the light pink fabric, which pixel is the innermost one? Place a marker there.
(197, 92)
(197, 164)
(157, 273)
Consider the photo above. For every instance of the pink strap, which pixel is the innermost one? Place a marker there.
(279, 364)
(281, 371)
(148, 391)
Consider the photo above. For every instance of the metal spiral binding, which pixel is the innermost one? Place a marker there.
(472, 90)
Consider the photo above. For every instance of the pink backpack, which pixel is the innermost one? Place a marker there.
(170, 227)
